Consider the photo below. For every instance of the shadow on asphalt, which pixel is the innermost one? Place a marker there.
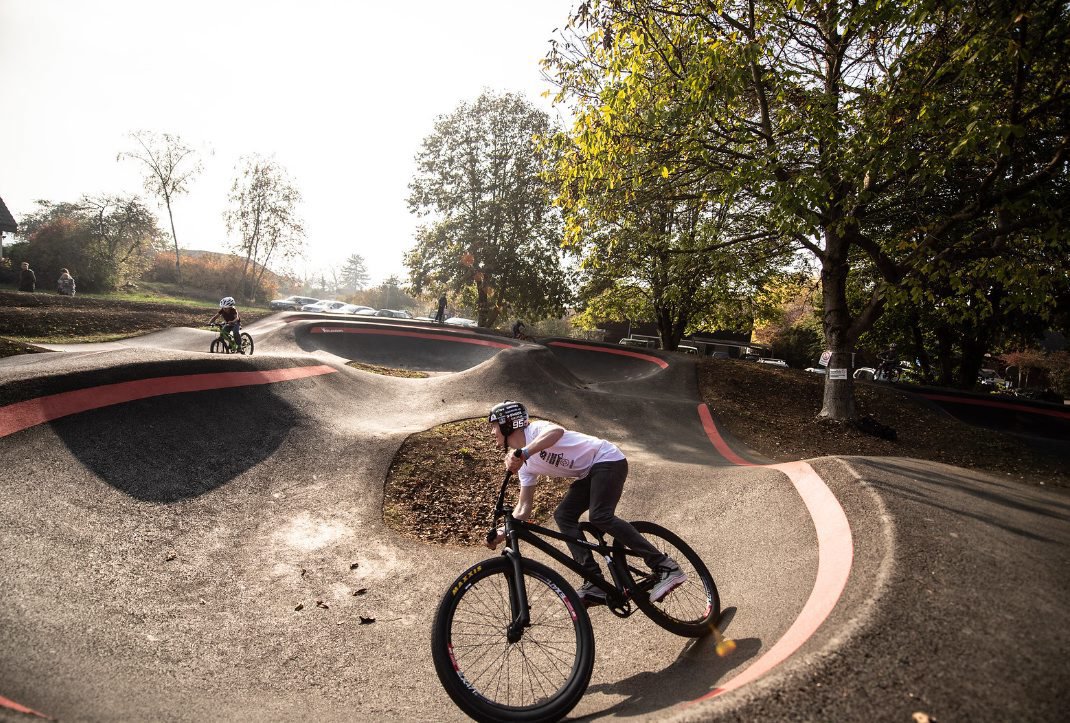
(1013, 497)
(174, 447)
(683, 681)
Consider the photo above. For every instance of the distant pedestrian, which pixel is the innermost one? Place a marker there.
(65, 284)
(441, 315)
(27, 278)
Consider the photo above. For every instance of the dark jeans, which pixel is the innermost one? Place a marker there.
(600, 492)
(235, 328)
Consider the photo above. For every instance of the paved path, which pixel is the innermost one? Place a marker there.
(159, 532)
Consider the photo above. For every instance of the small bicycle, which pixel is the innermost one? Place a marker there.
(511, 640)
(224, 343)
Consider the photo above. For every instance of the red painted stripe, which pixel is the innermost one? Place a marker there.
(417, 334)
(835, 556)
(6, 703)
(21, 415)
(622, 352)
(718, 441)
(999, 405)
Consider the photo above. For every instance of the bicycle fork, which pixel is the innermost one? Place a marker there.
(518, 600)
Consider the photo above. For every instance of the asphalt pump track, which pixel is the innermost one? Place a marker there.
(188, 536)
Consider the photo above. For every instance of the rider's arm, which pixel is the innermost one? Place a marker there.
(547, 439)
(214, 318)
(524, 503)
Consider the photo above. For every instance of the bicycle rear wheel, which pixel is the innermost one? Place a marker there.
(690, 610)
(246, 344)
(541, 676)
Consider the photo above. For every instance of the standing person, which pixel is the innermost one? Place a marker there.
(228, 309)
(65, 284)
(27, 278)
(599, 469)
(518, 329)
(440, 317)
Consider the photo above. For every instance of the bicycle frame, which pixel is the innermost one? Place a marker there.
(225, 336)
(517, 530)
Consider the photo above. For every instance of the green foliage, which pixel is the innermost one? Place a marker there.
(103, 241)
(912, 137)
(492, 233)
(354, 275)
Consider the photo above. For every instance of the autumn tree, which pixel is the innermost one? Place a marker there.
(104, 240)
(490, 224)
(263, 211)
(831, 116)
(169, 165)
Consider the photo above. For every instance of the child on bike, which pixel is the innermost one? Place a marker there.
(598, 469)
(228, 310)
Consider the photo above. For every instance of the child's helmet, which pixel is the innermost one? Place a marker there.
(508, 416)
(226, 301)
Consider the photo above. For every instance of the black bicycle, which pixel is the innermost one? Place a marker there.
(224, 343)
(511, 639)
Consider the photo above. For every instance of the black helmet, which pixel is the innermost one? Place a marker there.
(508, 416)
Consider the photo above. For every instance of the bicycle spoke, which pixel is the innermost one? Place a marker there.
(520, 674)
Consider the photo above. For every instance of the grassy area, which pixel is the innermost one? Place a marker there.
(44, 318)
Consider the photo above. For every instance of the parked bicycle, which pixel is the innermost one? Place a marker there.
(224, 343)
(512, 641)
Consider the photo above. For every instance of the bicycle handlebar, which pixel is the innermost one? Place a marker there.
(498, 508)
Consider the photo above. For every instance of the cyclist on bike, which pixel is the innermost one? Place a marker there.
(598, 469)
(228, 310)
(518, 329)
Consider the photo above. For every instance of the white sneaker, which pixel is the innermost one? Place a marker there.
(670, 577)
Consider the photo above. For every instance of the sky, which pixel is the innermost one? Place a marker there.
(340, 93)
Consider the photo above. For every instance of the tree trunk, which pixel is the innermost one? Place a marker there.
(174, 237)
(839, 399)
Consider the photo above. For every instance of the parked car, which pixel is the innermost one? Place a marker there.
(773, 362)
(352, 309)
(394, 314)
(460, 321)
(325, 306)
(292, 303)
(815, 370)
(720, 355)
(365, 311)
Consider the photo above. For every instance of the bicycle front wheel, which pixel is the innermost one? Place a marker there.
(542, 675)
(692, 609)
(246, 344)
(217, 346)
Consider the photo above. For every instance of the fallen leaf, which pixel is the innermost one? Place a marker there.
(360, 591)
(300, 606)
(366, 621)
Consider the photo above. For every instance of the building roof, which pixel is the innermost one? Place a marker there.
(7, 221)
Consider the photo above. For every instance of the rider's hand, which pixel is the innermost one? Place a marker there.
(493, 542)
(513, 461)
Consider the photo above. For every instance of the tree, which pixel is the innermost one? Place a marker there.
(169, 166)
(492, 227)
(262, 209)
(832, 117)
(354, 274)
(104, 240)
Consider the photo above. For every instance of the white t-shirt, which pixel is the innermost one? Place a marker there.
(571, 456)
